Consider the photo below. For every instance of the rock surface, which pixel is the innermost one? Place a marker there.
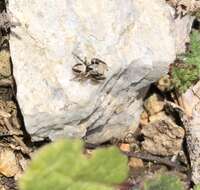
(8, 163)
(191, 105)
(137, 40)
(163, 137)
(154, 104)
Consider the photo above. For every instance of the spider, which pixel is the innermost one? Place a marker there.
(95, 69)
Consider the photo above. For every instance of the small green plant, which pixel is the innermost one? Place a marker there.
(183, 76)
(193, 55)
(62, 166)
(188, 72)
(163, 182)
(197, 187)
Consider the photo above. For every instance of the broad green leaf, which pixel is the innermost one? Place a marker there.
(163, 182)
(106, 163)
(62, 166)
(197, 187)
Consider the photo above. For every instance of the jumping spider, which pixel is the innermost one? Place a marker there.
(95, 69)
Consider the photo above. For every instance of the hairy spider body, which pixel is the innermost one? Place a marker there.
(95, 69)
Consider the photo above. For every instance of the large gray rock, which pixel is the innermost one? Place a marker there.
(136, 38)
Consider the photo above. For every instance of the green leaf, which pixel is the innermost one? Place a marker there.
(163, 182)
(197, 187)
(62, 166)
(109, 164)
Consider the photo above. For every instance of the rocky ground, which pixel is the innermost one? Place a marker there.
(158, 146)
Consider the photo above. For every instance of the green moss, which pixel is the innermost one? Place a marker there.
(61, 166)
(163, 182)
(188, 72)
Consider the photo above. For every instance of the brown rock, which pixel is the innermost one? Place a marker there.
(154, 104)
(7, 183)
(124, 147)
(5, 69)
(157, 116)
(8, 163)
(2, 188)
(185, 6)
(144, 118)
(135, 163)
(163, 137)
(164, 83)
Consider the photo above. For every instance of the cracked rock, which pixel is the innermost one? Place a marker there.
(137, 40)
(163, 137)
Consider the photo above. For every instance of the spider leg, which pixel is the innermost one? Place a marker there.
(97, 61)
(83, 61)
(86, 62)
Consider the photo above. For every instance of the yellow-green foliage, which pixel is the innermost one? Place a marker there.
(183, 76)
(197, 187)
(163, 182)
(62, 166)
(193, 56)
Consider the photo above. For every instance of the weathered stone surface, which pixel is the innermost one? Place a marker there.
(191, 118)
(135, 163)
(164, 83)
(8, 163)
(182, 30)
(154, 104)
(163, 137)
(137, 39)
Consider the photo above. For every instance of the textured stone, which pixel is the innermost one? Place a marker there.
(144, 118)
(124, 147)
(163, 137)
(182, 30)
(154, 104)
(8, 163)
(135, 163)
(191, 119)
(137, 40)
(164, 83)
